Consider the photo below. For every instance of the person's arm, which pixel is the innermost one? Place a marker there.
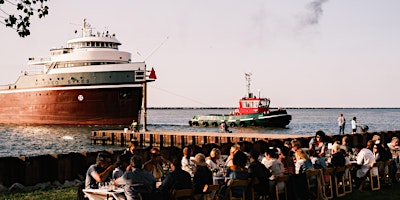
(322, 153)
(121, 180)
(100, 177)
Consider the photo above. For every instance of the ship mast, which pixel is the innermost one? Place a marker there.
(248, 79)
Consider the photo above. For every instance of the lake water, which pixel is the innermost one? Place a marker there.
(21, 140)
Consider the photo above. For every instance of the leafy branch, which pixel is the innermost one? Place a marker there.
(25, 9)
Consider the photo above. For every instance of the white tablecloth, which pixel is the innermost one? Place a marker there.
(104, 193)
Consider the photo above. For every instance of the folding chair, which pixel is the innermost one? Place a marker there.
(328, 175)
(339, 181)
(237, 183)
(211, 192)
(281, 181)
(348, 182)
(372, 178)
(182, 193)
(312, 181)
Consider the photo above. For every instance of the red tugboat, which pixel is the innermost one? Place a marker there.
(252, 111)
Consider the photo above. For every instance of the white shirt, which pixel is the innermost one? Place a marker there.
(275, 167)
(341, 121)
(365, 158)
(353, 124)
(188, 165)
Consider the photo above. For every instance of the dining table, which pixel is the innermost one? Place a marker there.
(104, 193)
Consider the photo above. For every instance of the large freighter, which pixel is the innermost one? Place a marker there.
(89, 82)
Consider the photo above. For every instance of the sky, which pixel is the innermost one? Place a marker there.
(301, 53)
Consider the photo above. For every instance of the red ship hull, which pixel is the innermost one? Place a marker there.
(66, 106)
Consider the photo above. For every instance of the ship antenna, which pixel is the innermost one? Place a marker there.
(248, 79)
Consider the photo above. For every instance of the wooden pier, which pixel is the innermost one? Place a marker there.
(180, 139)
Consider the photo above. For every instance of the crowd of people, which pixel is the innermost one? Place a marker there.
(266, 163)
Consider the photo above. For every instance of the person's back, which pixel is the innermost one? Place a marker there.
(177, 179)
(202, 177)
(137, 180)
(258, 170)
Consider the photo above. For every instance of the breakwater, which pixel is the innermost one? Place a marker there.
(31, 170)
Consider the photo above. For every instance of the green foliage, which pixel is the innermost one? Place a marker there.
(20, 20)
(53, 194)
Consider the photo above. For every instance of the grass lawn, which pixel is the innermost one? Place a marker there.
(53, 194)
(386, 193)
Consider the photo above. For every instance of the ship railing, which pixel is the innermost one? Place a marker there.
(32, 72)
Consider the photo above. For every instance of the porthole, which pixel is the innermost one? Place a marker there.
(80, 97)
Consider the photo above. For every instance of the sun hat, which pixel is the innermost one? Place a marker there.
(200, 159)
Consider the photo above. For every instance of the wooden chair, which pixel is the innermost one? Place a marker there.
(237, 183)
(348, 185)
(328, 175)
(281, 180)
(211, 192)
(339, 182)
(254, 195)
(312, 181)
(183, 193)
(372, 178)
(385, 173)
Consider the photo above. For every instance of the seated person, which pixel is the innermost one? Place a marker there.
(202, 174)
(238, 172)
(131, 150)
(99, 172)
(122, 163)
(214, 161)
(187, 163)
(154, 165)
(176, 179)
(365, 159)
(137, 181)
(259, 171)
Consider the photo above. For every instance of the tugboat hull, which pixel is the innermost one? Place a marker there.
(272, 119)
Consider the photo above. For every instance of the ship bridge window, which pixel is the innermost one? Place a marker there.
(264, 103)
(250, 104)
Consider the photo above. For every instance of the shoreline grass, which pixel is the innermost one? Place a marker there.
(70, 193)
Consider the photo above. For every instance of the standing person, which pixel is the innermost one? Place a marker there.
(354, 125)
(99, 172)
(137, 181)
(341, 123)
(134, 126)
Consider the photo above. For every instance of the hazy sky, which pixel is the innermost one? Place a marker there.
(302, 53)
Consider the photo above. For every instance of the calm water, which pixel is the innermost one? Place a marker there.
(36, 140)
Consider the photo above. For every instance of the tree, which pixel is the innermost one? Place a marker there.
(20, 21)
